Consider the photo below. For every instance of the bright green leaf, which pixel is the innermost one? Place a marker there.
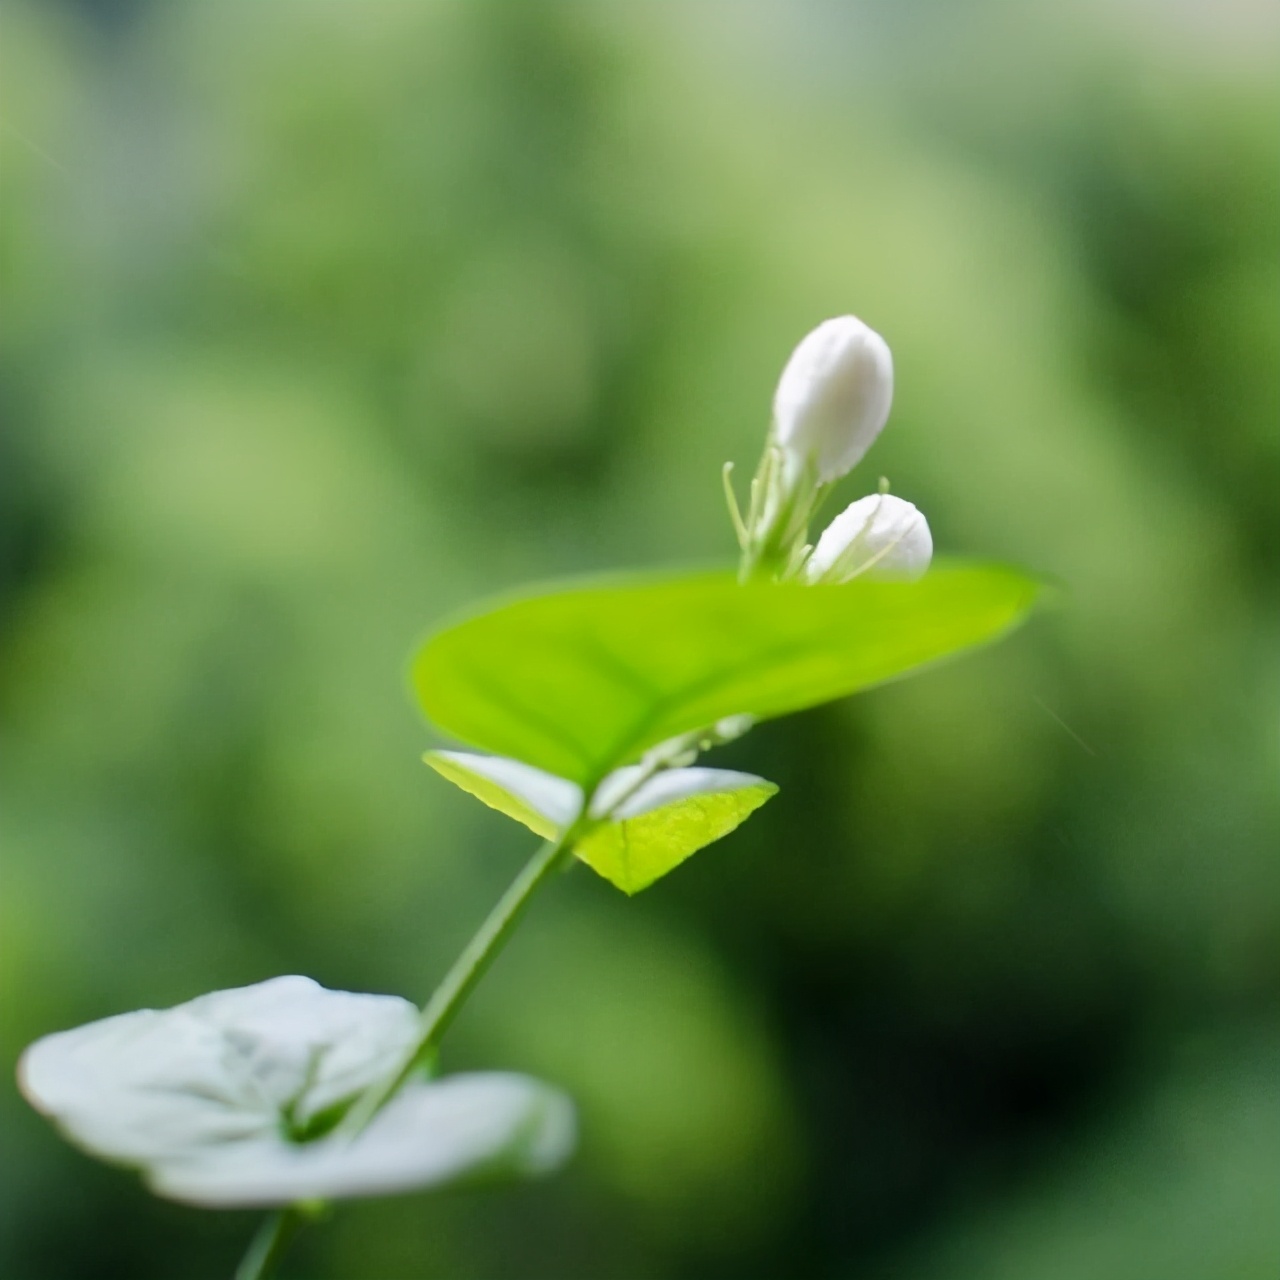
(544, 803)
(580, 681)
(653, 827)
(633, 852)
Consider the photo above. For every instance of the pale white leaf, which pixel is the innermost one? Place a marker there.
(461, 1128)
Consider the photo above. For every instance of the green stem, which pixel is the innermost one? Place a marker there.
(449, 997)
(277, 1231)
(269, 1245)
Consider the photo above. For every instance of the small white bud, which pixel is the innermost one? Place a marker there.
(731, 728)
(880, 535)
(833, 397)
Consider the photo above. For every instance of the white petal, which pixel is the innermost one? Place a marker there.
(881, 535)
(557, 799)
(428, 1135)
(833, 397)
(663, 789)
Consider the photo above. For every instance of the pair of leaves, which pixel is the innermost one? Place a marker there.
(659, 824)
(206, 1099)
(580, 682)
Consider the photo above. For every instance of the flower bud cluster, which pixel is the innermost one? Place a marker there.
(831, 403)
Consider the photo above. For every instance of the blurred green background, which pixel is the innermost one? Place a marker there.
(321, 319)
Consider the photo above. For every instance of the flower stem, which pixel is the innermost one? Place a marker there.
(276, 1233)
(449, 997)
(269, 1245)
(489, 939)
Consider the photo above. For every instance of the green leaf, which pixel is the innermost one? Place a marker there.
(580, 681)
(649, 828)
(634, 851)
(543, 803)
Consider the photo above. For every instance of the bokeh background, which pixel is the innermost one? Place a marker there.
(324, 317)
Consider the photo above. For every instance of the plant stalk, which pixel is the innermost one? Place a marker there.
(449, 997)
(269, 1245)
(276, 1233)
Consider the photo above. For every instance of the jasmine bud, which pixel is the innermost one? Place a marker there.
(880, 535)
(833, 398)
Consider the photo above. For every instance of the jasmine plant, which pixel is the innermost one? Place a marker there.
(587, 709)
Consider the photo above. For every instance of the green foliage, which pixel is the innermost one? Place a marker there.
(580, 681)
(659, 824)
(583, 680)
(634, 852)
(536, 803)
(321, 320)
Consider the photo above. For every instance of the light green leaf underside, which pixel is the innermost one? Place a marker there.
(634, 852)
(580, 681)
(491, 793)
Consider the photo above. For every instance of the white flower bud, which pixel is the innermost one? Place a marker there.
(731, 728)
(833, 397)
(879, 535)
